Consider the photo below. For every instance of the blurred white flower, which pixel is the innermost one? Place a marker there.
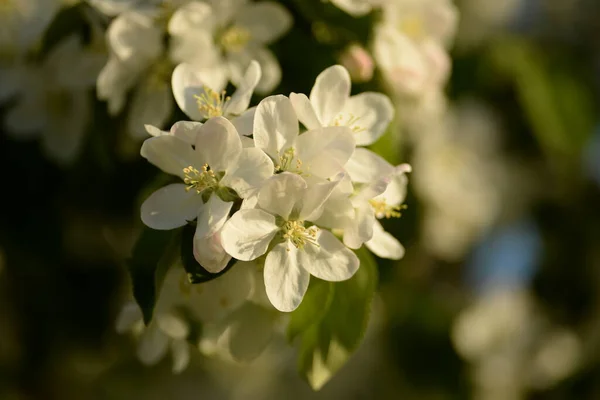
(286, 203)
(53, 99)
(22, 24)
(367, 114)
(215, 173)
(410, 42)
(357, 8)
(228, 35)
(358, 62)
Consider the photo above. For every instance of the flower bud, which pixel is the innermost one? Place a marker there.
(358, 62)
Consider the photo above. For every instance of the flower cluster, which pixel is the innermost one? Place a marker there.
(258, 188)
(218, 38)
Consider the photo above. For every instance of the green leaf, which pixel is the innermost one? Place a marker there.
(153, 254)
(338, 326)
(196, 273)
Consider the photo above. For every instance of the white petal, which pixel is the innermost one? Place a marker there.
(356, 8)
(305, 111)
(360, 228)
(209, 252)
(219, 144)
(285, 280)
(170, 207)
(173, 325)
(151, 104)
(191, 16)
(153, 345)
(212, 216)
(180, 349)
(280, 193)
(395, 193)
(186, 131)
(275, 125)
(253, 168)
(133, 34)
(365, 166)
(244, 123)
(249, 332)
(330, 93)
(331, 260)
(314, 198)
(385, 245)
(325, 151)
(197, 47)
(248, 233)
(372, 113)
(170, 154)
(241, 97)
(266, 21)
(155, 131)
(271, 70)
(129, 315)
(189, 81)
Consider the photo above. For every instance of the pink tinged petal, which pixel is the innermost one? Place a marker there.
(249, 331)
(372, 113)
(305, 111)
(209, 252)
(360, 228)
(325, 151)
(331, 260)
(266, 21)
(189, 81)
(170, 154)
(275, 125)
(248, 233)
(330, 93)
(170, 207)
(254, 167)
(180, 350)
(286, 280)
(241, 97)
(153, 345)
(219, 144)
(385, 245)
(365, 166)
(244, 123)
(280, 193)
(212, 216)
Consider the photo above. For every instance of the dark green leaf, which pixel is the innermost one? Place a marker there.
(153, 254)
(327, 343)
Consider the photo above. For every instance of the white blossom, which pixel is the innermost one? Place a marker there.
(330, 104)
(215, 172)
(295, 249)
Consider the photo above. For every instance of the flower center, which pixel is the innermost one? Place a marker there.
(295, 232)
(288, 162)
(200, 180)
(234, 39)
(211, 103)
(384, 210)
(349, 120)
(413, 27)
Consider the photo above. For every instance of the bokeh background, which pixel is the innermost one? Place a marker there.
(496, 298)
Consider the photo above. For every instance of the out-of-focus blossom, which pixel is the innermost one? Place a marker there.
(410, 44)
(228, 35)
(512, 347)
(22, 24)
(462, 178)
(359, 63)
(357, 8)
(52, 99)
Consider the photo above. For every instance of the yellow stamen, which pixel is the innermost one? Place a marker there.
(350, 122)
(383, 210)
(295, 232)
(199, 180)
(211, 103)
(235, 39)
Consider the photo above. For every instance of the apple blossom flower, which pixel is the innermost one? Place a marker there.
(216, 172)
(320, 152)
(330, 104)
(357, 8)
(295, 249)
(230, 36)
(358, 62)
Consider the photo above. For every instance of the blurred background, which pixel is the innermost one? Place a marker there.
(498, 296)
